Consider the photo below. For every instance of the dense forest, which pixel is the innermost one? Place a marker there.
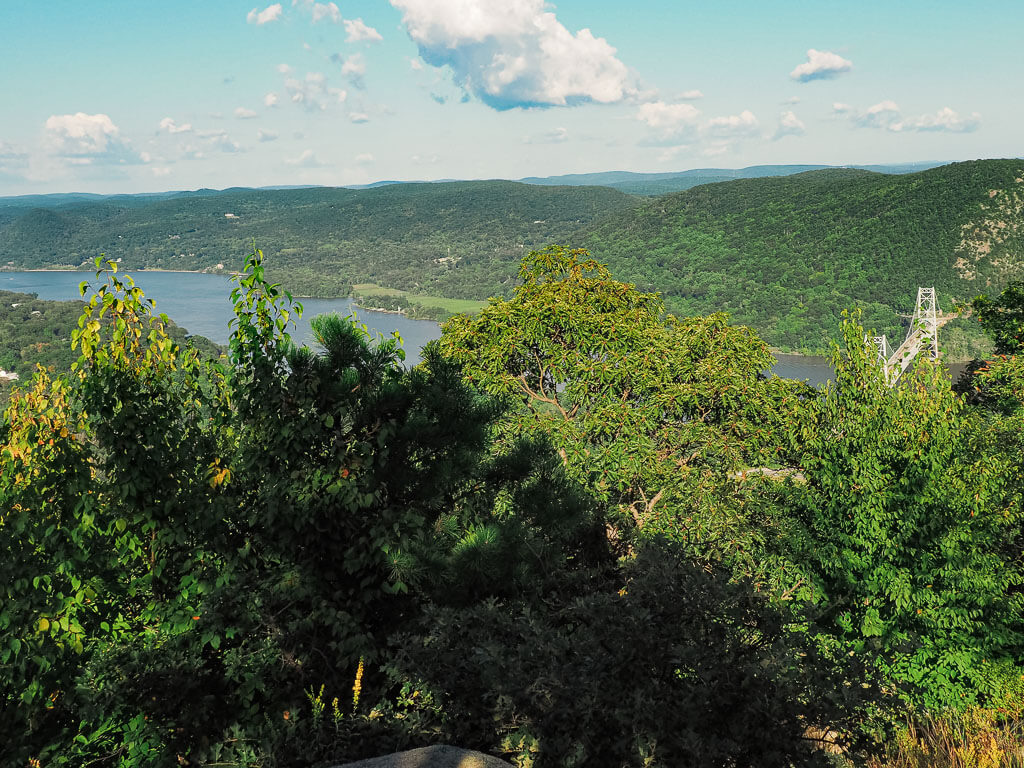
(785, 255)
(583, 532)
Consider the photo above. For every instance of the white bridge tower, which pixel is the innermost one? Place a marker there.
(922, 335)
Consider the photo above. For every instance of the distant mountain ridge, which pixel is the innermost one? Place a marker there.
(673, 181)
(663, 183)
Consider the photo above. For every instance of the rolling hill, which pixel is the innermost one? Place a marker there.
(451, 239)
(785, 254)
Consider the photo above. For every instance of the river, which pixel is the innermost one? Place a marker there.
(201, 304)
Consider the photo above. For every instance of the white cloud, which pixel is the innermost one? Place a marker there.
(160, 170)
(790, 125)
(792, 100)
(307, 159)
(168, 124)
(219, 140)
(354, 65)
(515, 53)
(356, 31)
(821, 65)
(313, 91)
(943, 120)
(267, 15)
(691, 95)
(415, 64)
(667, 118)
(264, 136)
(743, 124)
(328, 11)
(554, 136)
(284, 69)
(270, 100)
(880, 115)
(359, 117)
(83, 139)
(244, 114)
(840, 108)
(364, 159)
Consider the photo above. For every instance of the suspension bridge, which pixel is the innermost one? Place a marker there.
(922, 337)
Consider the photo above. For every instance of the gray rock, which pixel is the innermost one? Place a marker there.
(439, 756)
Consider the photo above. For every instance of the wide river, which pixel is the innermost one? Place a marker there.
(201, 303)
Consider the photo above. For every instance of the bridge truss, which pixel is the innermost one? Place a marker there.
(922, 336)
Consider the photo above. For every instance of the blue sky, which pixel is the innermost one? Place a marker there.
(116, 96)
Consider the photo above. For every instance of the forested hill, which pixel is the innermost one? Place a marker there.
(784, 254)
(787, 255)
(320, 240)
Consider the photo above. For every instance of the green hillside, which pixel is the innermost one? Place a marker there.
(458, 240)
(787, 255)
(784, 254)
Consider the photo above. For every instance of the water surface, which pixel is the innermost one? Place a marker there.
(201, 304)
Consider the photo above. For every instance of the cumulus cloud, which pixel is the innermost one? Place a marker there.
(789, 125)
(83, 139)
(307, 159)
(359, 117)
(743, 124)
(880, 115)
(840, 108)
(415, 64)
(821, 65)
(267, 15)
(668, 119)
(364, 159)
(555, 136)
(357, 31)
(515, 53)
(313, 91)
(160, 170)
(691, 95)
(244, 114)
(326, 11)
(943, 120)
(264, 136)
(270, 100)
(169, 125)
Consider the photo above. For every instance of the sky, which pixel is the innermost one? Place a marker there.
(113, 96)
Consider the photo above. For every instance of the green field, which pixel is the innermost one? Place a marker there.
(453, 306)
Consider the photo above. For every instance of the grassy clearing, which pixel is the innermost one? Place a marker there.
(454, 306)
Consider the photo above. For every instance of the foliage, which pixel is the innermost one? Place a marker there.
(910, 534)
(1003, 318)
(661, 664)
(652, 414)
(34, 332)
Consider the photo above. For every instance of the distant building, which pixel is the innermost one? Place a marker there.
(9, 376)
